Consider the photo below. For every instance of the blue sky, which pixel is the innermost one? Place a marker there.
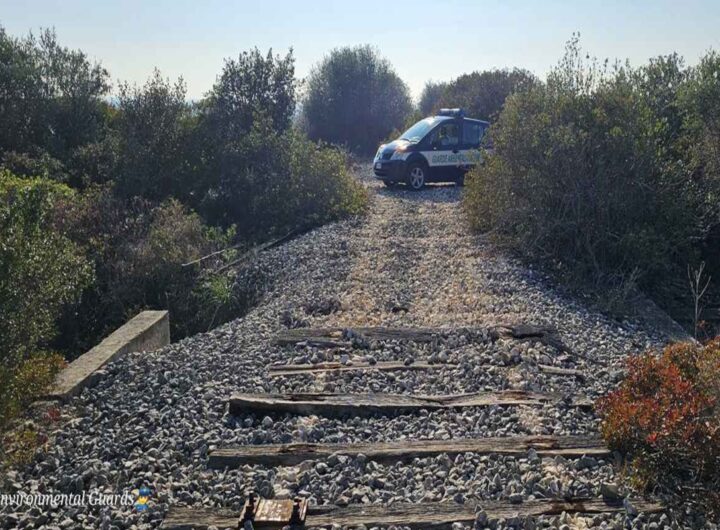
(424, 39)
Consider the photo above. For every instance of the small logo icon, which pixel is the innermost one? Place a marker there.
(143, 496)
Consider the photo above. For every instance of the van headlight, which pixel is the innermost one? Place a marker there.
(399, 154)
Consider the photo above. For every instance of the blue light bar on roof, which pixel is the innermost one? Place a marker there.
(455, 113)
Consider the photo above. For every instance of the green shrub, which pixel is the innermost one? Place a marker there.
(319, 188)
(38, 164)
(275, 182)
(28, 382)
(138, 251)
(583, 177)
(93, 163)
(41, 272)
(699, 104)
(155, 270)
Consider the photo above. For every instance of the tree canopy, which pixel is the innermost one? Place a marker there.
(354, 98)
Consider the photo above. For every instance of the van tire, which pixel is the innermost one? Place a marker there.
(416, 176)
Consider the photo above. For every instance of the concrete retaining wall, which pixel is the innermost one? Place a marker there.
(147, 331)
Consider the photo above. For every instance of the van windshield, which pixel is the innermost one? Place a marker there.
(419, 130)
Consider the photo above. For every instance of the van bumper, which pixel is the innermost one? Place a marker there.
(390, 170)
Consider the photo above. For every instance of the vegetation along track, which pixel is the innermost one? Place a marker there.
(156, 419)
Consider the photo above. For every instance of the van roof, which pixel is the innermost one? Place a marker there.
(443, 118)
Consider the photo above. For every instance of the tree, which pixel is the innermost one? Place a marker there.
(22, 98)
(153, 127)
(253, 93)
(250, 85)
(354, 98)
(50, 96)
(431, 96)
(75, 87)
(659, 81)
(483, 94)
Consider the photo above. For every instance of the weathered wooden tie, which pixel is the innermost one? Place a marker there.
(556, 370)
(300, 369)
(435, 515)
(286, 370)
(318, 336)
(339, 337)
(294, 453)
(334, 405)
(442, 515)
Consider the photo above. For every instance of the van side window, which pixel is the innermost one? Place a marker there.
(446, 135)
(472, 133)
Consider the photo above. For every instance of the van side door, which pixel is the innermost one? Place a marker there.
(441, 149)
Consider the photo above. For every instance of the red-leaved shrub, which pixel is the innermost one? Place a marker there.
(666, 415)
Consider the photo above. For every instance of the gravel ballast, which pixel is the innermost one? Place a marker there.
(153, 418)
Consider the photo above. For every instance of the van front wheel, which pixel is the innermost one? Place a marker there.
(416, 176)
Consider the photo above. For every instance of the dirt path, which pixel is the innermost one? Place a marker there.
(416, 263)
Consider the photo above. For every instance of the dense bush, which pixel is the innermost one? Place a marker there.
(698, 103)
(27, 382)
(584, 175)
(666, 415)
(41, 272)
(94, 163)
(36, 164)
(150, 272)
(274, 182)
(354, 98)
(302, 184)
(138, 249)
